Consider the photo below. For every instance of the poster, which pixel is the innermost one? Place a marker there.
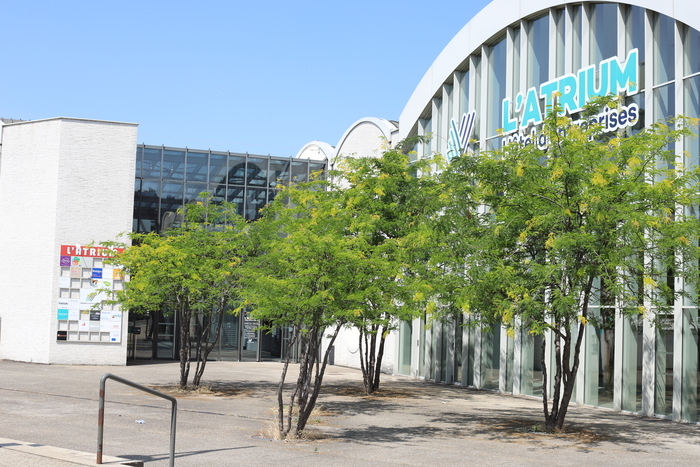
(84, 283)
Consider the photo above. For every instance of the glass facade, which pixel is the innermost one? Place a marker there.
(168, 178)
(648, 365)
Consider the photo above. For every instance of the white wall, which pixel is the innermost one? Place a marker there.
(63, 181)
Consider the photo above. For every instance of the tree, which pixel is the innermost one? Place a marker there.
(301, 274)
(543, 234)
(390, 208)
(189, 271)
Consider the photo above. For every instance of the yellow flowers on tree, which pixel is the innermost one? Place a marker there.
(302, 275)
(389, 209)
(535, 237)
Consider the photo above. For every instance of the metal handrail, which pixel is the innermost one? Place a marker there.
(101, 413)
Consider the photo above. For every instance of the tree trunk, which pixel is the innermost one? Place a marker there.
(371, 345)
(310, 402)
(203, 353)
(185, 315)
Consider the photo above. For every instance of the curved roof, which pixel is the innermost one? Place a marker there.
(316, 150)
(492, 20)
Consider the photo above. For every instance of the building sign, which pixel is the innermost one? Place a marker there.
(572, 92)
(89, 251)
(84, 281)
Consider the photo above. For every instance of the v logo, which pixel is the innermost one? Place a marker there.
(459, 136)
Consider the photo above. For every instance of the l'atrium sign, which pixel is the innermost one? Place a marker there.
(522, 116)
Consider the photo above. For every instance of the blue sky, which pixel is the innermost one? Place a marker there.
(263, 77)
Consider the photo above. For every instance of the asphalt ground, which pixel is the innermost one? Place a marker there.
(409, 422)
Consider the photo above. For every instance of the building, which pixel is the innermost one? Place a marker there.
(499, 73)
(91, 182)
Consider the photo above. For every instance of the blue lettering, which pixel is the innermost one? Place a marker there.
(568, 88)
(532, 113)
(509, 124)
(547, 91)
(625, 79)
(603, 87)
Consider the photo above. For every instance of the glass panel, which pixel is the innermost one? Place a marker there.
(279, 172)
(632, 341)
(317, 170)
(691, 108)
(171, 196)
(421, 352)
(166, 336)
(491, 356)
(459, 329)
(477, 98)
(665, 105)
(236, 170)
(427, 131)
(229, 338)
(691, 48)
(470, 355)
(510, 354)
(664, 63)
(635, 37)
(405, 341)
(600, 358)
(691, 348)
(438, 137)
(299, 171)
(256, 198)
(197, 163)
(577, 28)
(531, 364)
(139, 160)
(560, 19)
(173, 164)
(663, 378)
(151, 167)
(516, 62)
(236, 194)
(442, 355)
(603, 31)
(257, 171)
(250, 338)
(496, 86)
(146, 203)
(192, 191)
(217, 169)
(464, 93)
(538, 60)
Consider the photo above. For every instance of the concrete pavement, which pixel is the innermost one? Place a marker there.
(408, 423)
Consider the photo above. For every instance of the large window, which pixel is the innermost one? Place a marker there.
(664, 55)
(603, 27)
(538, 52)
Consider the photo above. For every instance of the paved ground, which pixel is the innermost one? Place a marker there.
(408, 423)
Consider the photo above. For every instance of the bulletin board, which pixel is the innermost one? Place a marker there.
(84, 281)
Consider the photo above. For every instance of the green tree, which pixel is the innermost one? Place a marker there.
(390, 208)
(302, 275)
(189, 271)
(536, 236)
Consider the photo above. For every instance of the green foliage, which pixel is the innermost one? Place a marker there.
(302, 272)
(189, 271)
(389, 209)
(536, 237)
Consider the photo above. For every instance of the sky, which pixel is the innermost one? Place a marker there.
(264, 77)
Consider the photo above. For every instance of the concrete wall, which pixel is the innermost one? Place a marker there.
(63, 181)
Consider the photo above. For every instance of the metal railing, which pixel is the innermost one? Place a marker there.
(101, 413)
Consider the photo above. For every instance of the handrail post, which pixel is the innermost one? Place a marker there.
(101, 413)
